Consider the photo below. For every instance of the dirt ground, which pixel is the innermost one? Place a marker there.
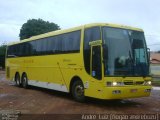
(42, 101)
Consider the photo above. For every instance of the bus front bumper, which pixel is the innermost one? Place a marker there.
(126, 92)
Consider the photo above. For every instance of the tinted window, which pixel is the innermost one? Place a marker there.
(38, 46)
(51, 45)
(64, 43)
(90, 34)
(24, 50)
(58, 43)
(71, 42)
(10, 51)
(28, 49)
(17, 50)
(33, 47)
(75, 40)
(44, 45)
(20, 49)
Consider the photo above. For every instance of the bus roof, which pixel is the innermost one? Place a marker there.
(57, 32)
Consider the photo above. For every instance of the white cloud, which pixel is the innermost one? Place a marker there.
(8, 33)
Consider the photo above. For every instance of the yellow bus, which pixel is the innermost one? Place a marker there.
(99, 60)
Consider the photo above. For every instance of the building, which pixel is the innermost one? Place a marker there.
(155, 58)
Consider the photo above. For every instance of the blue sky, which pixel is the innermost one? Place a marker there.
(69, 13)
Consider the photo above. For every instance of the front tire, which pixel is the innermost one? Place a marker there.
(78, 91)
(24, 81)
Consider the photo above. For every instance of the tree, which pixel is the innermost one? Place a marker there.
(3, 49)
(35, 27)
(2, 55)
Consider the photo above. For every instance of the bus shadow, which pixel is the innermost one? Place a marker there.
(113, 103)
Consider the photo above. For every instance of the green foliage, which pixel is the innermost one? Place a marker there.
(3, 49)
(2, 55)
(35, 27)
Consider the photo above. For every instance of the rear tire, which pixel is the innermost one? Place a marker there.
(78, 91)
(24, 81)
(17, 80)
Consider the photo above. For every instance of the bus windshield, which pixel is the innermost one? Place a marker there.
(125, 52)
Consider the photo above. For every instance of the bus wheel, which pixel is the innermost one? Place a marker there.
(24, 81)
(17, 79)
(78, 91)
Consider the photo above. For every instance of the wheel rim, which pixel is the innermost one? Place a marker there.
(24, 81)
(79, 91)
(17, 80)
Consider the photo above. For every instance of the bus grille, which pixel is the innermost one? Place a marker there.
(139, 82)
(133, 82)
(128, 82)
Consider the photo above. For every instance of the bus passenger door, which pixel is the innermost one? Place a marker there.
(96, 62)
(96, 86)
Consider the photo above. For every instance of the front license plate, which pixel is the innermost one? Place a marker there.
(133, 90)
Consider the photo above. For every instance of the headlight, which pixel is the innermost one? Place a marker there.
(114, 83)
(147, 83)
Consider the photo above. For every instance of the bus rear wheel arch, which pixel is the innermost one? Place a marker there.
(77, 90)
(24, 80)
